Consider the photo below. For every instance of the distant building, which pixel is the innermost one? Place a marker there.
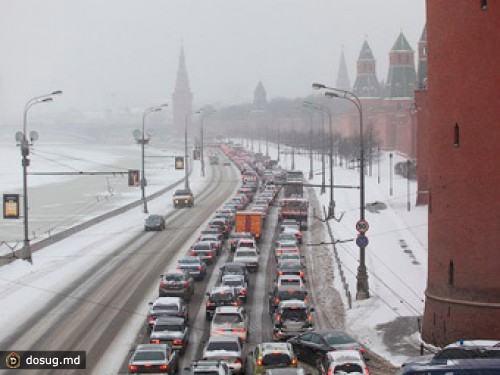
(182, 98)
(366, 84)
(463, 133)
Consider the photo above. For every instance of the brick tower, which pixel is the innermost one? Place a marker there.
(182, 98)
(366, 84)
(402, 76)
(463, 287)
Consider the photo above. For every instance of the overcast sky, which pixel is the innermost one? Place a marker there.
(113, 54)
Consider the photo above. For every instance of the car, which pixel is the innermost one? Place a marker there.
(279, 251)
(296, 232)
(222, 223)
(284, 293)
(230, 320)
(209, 367)
(167, 306)
(291, 318)
(216, 231)
(154, 222)
(176, 283)
(194, 266)
(311, 347)
(469, 366)
(220, 296)
(238, 283)
(154, 358)
(289, 280)
(247, 256)
(289, 267)
(247, 243)
(233, 268)
(183, 198)
(214, 240)
(346, 361)
(203, 249)
(170, 330)
(271, 355)
(286, 236)
(294, 257)
(228, 349)
(236, 236)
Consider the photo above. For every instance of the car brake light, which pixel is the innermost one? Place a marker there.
(164, 367)
(277, 300)
(210, 254)
(216, 245)
(200, 268)
(238, 361)
(280, 252)
(132, 367)
(151, 319)
(301, 274)
(178, 267)
(162, 283)
(177, 342)
(185, 283)
(310, 317)
(181, 314)
(155, 341)
(366, 371)
(305, 300)
(235, 303)
(208, 304)
(330, 371)
(259, 361)
(193, 253)
(278, 318)
(294, 362)
(243, 291)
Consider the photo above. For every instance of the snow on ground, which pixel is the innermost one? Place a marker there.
(58, 265)
(396, 256)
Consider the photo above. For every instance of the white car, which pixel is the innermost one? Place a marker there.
(340, 361)
(290, 280)
(228, 349)
(247, 243)
(230, 321)
(247, 256)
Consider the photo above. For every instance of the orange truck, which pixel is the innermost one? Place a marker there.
(247, 221)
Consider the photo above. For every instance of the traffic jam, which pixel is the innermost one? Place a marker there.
(230, 250)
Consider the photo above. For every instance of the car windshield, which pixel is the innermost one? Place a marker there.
(157, 308)
(338, 338)
(296, 314)
(245, 253)
(220, 297)
(154, 355)
(290, 266)
(182, 192)
(223, 345)
(348, 368)
(276, 359)
(227, 318)
(168, 327)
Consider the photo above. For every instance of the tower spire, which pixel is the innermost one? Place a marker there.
(182, 98)
(343, 81)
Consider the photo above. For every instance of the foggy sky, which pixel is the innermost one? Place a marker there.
(107, 55)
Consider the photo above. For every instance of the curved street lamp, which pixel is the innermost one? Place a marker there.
(362, 290)
(25, 151)
(147, 111)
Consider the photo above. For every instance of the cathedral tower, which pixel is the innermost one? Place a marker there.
(182, 98)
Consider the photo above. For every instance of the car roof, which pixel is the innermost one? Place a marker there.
(293, 303)
(223, 338)
(151, 347)
(222, 289)
(228, 309)
(345, 356)
(169, 320)
(233, 277)
(275, 346)
(190, 258)
(167, 301)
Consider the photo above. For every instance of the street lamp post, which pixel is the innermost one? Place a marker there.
(278, 158)
(25, 151)
(390, 174)
(203, 115)
(378, 164)
(143, 169)
(362, 291)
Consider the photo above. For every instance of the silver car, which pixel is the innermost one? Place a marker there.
(228, 349)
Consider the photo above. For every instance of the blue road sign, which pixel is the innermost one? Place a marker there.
(362, 241)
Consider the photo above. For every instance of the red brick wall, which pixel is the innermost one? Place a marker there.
(422, 114)
(464, 218)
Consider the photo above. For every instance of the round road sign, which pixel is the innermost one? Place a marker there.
(362, 241)
(362, 226)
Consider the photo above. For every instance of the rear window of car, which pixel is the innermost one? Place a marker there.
(348, 368)
(154, 355)
(246, 244)
(276, 359)
(219, 297)
(294, 314)
(291, 294)
(234, 282)
(173, 278)
(245, 253)
(189, 261)
(158, 308)
(223, 345)
(167, 327)
(227, 318)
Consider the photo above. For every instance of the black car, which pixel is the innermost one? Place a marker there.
(172, 331)
(312, 346)
(154, 358)
(220, 296)
(285, 293)
(233, 268)
(154, 222)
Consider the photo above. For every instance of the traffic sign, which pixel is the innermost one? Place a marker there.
(362, 226)
(362, 241)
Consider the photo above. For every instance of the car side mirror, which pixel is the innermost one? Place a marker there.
(150, 303)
